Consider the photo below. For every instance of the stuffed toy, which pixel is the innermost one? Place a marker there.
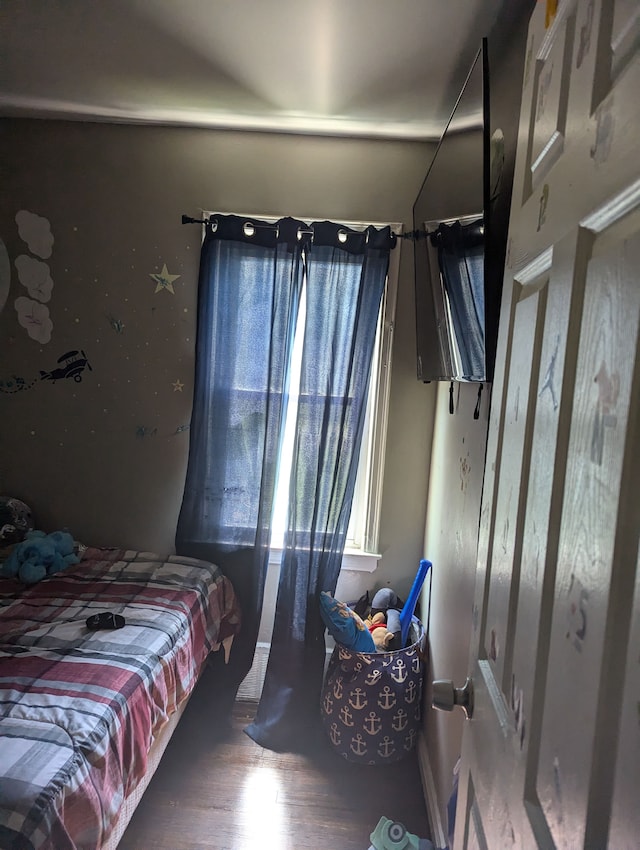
(344, 625)
(384, 599)
(382, 637)
(392, 835)
(375, 620)
(386, 604)
(15, 520)
(40, 555)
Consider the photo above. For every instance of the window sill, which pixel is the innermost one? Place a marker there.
(352, 559)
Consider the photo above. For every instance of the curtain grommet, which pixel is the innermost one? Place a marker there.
(248, 229)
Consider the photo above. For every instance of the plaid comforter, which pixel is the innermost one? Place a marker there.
(79, 710)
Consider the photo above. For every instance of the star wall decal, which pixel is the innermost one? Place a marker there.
(164, 280)
(177, 386)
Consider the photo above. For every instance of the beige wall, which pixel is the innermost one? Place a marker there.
(106, 456)
(458, 452)
(451, 541)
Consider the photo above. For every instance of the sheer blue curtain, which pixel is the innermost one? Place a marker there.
(251, 279)
(461, 262)
(248, 296)
(345, 282)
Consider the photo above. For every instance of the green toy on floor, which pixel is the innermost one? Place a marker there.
(391, 835)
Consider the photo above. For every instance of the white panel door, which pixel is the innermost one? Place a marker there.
(551, 756)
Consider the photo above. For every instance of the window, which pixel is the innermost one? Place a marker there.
(362, 542)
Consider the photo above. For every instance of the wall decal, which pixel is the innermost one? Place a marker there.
(117, 324)
(35, 230)
(5, 274)
(164, 280)
(177, 386)
(35, 275)
(34, 316)
(604, 413)
(584, 42)
(577, 613)
(544, 200)
(557, 784)
(465, 470)
(70, 365)
(142, 431)
(549, 378)
(506, 525)
(601, 148)
(517, 705)
(494, 646)
(16, 384)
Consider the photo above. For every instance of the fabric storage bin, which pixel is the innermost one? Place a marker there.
(371, 701)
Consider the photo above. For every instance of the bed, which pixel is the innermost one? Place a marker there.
(85, 715)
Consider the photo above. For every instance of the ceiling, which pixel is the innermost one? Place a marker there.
(372, 68)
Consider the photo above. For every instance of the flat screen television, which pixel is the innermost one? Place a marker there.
(457, 284)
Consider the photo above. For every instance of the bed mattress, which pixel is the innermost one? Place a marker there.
(80, 709)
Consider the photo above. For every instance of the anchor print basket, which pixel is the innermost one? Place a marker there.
(371, 701)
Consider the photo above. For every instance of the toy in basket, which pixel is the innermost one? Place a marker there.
(371, 698)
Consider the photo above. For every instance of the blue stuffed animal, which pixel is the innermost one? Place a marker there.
(40, 555)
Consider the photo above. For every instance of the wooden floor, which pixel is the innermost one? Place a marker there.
(230, 794)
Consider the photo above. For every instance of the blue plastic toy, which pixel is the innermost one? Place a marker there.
(409, 606)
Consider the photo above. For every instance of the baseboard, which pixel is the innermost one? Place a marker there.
(251, 687)
(438, 834)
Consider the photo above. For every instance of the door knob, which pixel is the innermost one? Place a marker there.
(446, 697)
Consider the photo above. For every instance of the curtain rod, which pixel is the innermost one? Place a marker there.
(266, 225)
(412, 234)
